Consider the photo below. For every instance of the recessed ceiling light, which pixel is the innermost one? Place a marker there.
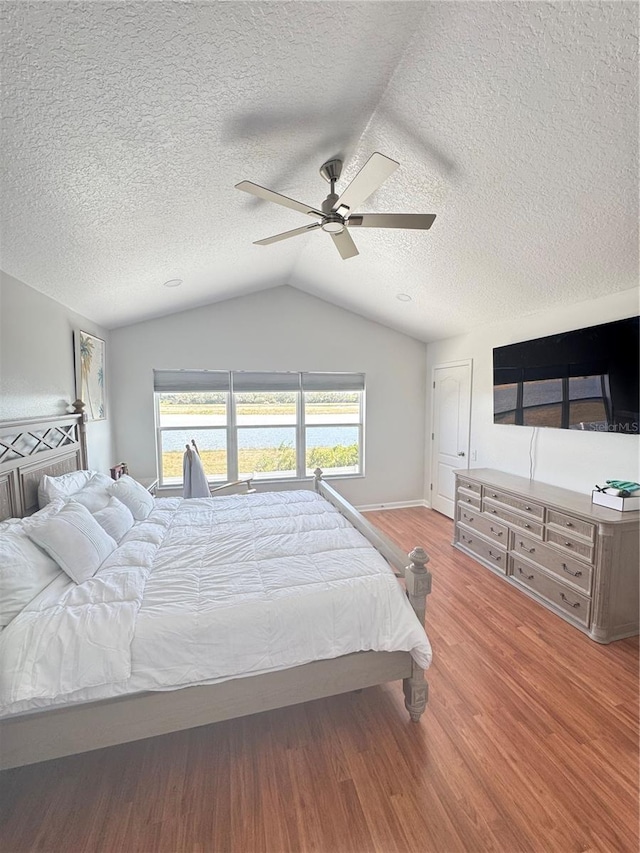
(173, 282)
(403, 297)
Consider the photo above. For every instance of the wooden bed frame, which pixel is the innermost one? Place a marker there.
(31, 448)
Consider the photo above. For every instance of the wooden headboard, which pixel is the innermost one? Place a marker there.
(34, 447)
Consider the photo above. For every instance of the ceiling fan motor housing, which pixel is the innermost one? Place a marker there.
(332, 222)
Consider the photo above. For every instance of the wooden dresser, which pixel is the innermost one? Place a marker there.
(577, 559)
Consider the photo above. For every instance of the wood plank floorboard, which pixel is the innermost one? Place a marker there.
(529, 743)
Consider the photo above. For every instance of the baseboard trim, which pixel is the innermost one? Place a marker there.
(392, 505)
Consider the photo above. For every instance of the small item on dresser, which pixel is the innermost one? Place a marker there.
(623, 495)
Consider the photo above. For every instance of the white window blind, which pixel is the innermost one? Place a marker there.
(245, 380)
(168, 381)
(175, 381)
(333, 381)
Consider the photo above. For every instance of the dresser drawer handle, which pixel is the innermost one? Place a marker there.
(528, 508)
(528, 550)
(494, 511)
(468, 517)
(527, 526)
(568, 524)
(497, 532)
(494, 495)
(570, 603)
(528, 577)
(496, 557)
(468, 500)
(569, 572)
(568, 544)
(466, 539)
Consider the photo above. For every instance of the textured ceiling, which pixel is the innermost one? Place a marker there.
(126, 125)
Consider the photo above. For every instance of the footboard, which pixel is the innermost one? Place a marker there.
(415, 575)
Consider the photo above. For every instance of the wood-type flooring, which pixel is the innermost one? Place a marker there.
(529, 743)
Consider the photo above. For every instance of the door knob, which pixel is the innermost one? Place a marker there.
(461, 453)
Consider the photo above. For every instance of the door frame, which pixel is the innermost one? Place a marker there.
(468, 362)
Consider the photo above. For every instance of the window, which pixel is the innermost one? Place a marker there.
(266, 425)
(333, 431)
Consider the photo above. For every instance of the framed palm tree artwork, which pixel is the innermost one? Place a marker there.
(90, 369)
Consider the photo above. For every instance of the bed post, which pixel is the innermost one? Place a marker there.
(79, 407)
(418, 582)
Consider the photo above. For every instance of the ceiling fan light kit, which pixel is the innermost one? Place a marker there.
(335, 211)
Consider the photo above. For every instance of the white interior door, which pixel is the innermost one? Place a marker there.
(449, 431)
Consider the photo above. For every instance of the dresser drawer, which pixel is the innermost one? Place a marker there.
(565, 567)
(469, 485)
(571, 524)
(531, 509)
(533, 528)
(571, 544)
(489, 552)
(469, 498)
(574, 603)
(491, 528)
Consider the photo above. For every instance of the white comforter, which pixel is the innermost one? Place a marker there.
(205, 590)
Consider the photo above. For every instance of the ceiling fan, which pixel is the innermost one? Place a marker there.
(335, 212)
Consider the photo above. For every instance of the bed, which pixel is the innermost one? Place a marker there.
(272, 590)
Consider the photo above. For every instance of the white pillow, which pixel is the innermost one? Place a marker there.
(62, 486)
(95, 495)
(25, 570)
(115, 518)
(133, 495)
(75, 540)
(50, 509)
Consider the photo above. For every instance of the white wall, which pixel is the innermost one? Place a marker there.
(568, 458)
(283, 329)
(37, 376)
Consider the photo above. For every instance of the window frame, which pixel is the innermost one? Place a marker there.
(232, 426)
(360, 425)
(160, 429)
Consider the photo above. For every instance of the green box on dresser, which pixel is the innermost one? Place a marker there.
(579, 560)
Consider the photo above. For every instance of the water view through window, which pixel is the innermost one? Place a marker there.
(261, 434)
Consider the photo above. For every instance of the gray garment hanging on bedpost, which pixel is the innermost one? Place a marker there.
(194, 477)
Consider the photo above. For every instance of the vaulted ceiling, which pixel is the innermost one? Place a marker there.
(126, 126)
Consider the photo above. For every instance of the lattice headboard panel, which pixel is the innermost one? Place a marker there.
(34, 447)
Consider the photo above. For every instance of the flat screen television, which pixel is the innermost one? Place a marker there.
(585, 379)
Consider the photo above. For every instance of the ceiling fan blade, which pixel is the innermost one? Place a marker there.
(374, 173)
(345, 245)
(269, 195)
(286, 234)
(392, 220)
